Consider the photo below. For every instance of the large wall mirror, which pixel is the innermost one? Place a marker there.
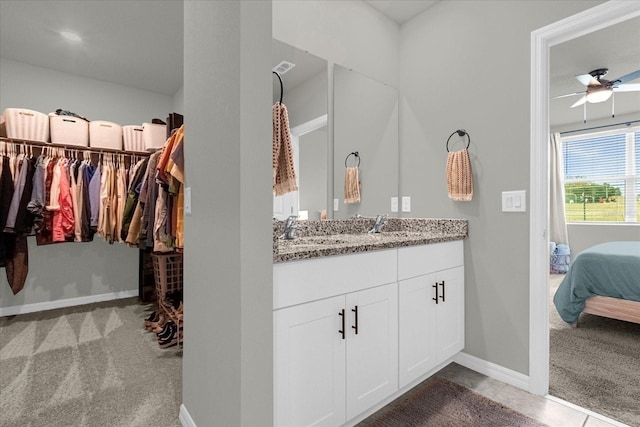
(365, 117)
(305, 93)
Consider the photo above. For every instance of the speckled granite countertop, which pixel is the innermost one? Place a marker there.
(337, 237)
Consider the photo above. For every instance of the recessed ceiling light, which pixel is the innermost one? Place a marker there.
(71, 36)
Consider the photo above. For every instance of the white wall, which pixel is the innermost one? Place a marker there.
(71, 270)
(465, 64)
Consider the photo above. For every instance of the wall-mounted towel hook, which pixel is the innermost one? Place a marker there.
(461, 133)
(281, 86)
(357, 156)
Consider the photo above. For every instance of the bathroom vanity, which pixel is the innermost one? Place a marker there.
(360, 318)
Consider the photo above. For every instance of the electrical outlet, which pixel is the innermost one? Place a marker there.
(394, 204)
(406, 204)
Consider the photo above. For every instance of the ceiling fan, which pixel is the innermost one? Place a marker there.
(599, 89)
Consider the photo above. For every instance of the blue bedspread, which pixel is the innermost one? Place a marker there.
(609, 269)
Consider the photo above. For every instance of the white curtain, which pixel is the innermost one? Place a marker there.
(557, 222)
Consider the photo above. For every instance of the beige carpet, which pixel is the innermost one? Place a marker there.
(91, 365)
(597, 364)
(441, 403)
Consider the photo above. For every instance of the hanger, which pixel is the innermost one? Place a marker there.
(461, 133)
(281, 86)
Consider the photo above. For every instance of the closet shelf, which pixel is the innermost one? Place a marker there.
(95, 150)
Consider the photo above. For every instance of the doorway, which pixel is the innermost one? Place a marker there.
(542, 40)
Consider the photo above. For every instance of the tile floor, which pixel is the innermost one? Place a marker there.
(541, 408)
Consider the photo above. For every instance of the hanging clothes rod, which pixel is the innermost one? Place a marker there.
(281, 85)
(95, 150)
(600, 127)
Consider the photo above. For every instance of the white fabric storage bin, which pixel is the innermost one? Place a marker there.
(133, 139)
(105, 135)
(154, 136)
(68, 130)
(26, 124)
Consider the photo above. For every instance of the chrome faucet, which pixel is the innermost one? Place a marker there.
(290, 226)
(380, 222)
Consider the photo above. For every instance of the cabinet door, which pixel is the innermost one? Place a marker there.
(450, 317)
(309, 364)
(417, 327)
(372, 353)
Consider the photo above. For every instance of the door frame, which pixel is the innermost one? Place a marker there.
(591, 20)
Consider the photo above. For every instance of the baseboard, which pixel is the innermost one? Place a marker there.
(185, 418)
(69, 302)
(492, 370)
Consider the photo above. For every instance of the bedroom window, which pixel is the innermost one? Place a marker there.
(602, 176)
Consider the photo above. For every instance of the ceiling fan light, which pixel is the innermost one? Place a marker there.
(599, 95)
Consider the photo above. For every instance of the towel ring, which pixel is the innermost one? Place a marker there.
(460, 132)
(281, 86)
(355, 153)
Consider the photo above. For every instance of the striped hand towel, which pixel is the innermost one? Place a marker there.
(459, 176)
(351, 185)
(284, 174)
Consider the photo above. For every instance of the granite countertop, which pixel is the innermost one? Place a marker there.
(338, 237)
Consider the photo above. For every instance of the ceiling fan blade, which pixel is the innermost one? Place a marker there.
(580, 101)
(627, 78)
(632, 87)
(568, 94)
(587, 79)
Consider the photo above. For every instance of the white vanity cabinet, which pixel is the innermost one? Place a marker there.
(334, 356)
(352, 330)
(431, 307)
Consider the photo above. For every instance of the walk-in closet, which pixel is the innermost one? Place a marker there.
(91, 211)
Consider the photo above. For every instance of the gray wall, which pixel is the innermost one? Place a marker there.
(365, 121)
(313, 172)
(228, 361)
(98, 268)
(308, 100)
(476, 76)
(347, 32)
(583, 236)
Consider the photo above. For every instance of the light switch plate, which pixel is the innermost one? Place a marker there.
(187, 201)
(394, 204)
(336, 205)
(514, 201)
(406, 204)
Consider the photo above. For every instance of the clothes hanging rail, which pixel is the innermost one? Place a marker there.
(601, 127)
(95, 150)
(281, 86)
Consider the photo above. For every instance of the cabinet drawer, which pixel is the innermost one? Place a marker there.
(418, 260)
(297, 282)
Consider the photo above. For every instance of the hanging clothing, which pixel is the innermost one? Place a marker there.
(148, 197)
(36, 204)
(6, 191)
(63, 221)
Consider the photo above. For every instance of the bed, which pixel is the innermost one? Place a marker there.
(603, 280)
